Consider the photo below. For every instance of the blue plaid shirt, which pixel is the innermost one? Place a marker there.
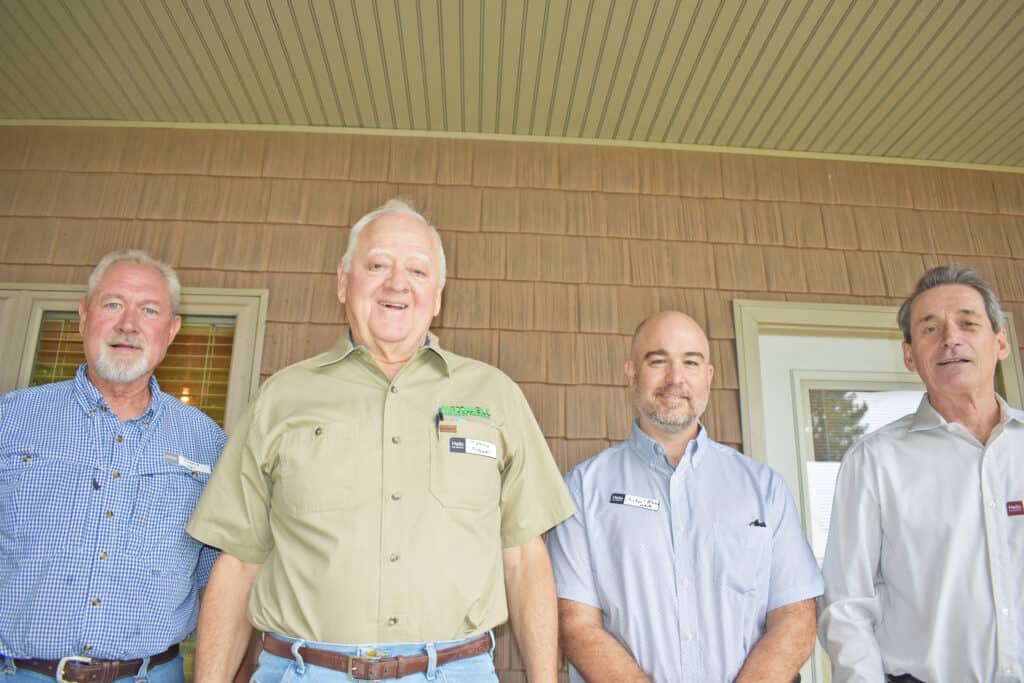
(94, 559)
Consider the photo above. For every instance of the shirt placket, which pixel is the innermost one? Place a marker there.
(109, 516)
(395, 622)
(684, 542)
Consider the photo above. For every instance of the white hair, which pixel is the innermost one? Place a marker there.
(136, 256)
(393, 206)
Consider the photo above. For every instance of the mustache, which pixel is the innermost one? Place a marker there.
(133, 340)
(673, 390)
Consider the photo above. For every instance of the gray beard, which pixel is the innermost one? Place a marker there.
(668, 423)
(120, 372)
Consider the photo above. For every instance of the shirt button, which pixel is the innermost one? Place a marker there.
(396, 495)
(94, 602)
(115, 475)
(991, 503)
(396, 439)
(394, 389)
(688, 636)
(318, 431)
(393, 557)
(108, 513)
(87, 648)
(681, 529)
(684, 581)
(1005, 611)
(119, 439)
(103, 554)
(393, 621)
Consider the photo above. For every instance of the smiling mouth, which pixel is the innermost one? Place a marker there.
(953, 361)
(393, 306)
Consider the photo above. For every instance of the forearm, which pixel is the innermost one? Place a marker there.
(223, 634)
(597, 654)
(787, 643)
(533, 614)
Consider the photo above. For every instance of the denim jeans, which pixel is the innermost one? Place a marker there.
(168, 672)
(274, 669)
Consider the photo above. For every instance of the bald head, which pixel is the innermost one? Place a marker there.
(669, 371)
(670, 323)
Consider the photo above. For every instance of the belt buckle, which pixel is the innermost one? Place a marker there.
(64, 662)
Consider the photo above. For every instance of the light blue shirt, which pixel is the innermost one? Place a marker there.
(684, 563)
(94, 559)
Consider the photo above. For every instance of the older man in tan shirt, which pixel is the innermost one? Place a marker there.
(378, 502)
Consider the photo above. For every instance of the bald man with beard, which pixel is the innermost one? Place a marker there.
(685, 560)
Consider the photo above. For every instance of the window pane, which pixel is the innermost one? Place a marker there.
(196, 367)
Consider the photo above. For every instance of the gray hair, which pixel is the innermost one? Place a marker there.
(141, 257)
(393, 206)
(952, 274)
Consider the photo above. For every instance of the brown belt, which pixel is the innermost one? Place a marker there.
(376, 669)
(88, 670)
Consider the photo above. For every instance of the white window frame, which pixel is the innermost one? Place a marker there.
(21, 313)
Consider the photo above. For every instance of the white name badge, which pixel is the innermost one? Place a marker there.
(636, 501)
(473, 447)
(182, 461)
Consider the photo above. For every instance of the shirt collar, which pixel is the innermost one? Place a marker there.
(649, 449)
(346, 346)
(91, 399)
(927, 417)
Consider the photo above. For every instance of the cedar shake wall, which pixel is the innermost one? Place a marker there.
(555, 252)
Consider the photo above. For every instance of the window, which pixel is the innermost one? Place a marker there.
(214, 362)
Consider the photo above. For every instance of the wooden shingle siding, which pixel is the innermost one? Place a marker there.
(555, 251)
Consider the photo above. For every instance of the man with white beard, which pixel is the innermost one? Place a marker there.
(98, 476)
(685, 561)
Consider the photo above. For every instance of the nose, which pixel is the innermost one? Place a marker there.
(950, 335)
(128, 320)
(399, 280)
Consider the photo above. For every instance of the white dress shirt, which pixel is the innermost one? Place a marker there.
(925, 555)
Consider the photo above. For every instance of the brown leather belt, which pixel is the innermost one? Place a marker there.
(87, 670)
(376, 668)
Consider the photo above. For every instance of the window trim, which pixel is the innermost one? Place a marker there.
(22, 306)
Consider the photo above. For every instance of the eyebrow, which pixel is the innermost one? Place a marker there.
(932, 316)
(663, 352)
(379, 251)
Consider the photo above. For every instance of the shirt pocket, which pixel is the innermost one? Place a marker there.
(741, 553)
(465, 466)
(324, 466)
(15, 461)
(166, 495)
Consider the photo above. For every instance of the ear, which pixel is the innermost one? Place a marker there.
(342, 283)
(629, 369)
(908, 358)
(81, 317)
(711, 373)
(175, 327)
(1003, 346)
(437, 300)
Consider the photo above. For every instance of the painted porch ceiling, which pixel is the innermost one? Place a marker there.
(931, 80)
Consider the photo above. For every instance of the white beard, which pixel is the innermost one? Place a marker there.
(121, 371)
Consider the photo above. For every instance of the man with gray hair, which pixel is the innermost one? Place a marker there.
(926, 547)
(380, 506)
(98, 476)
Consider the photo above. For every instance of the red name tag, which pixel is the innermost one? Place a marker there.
(1015, 507)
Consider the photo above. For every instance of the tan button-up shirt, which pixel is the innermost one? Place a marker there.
(379, 508)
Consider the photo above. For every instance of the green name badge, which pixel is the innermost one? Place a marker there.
(465, 411)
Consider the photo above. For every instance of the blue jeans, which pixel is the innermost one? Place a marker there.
(168, 672)
(274, 669)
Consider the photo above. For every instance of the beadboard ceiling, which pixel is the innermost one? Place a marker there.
(931, 80)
